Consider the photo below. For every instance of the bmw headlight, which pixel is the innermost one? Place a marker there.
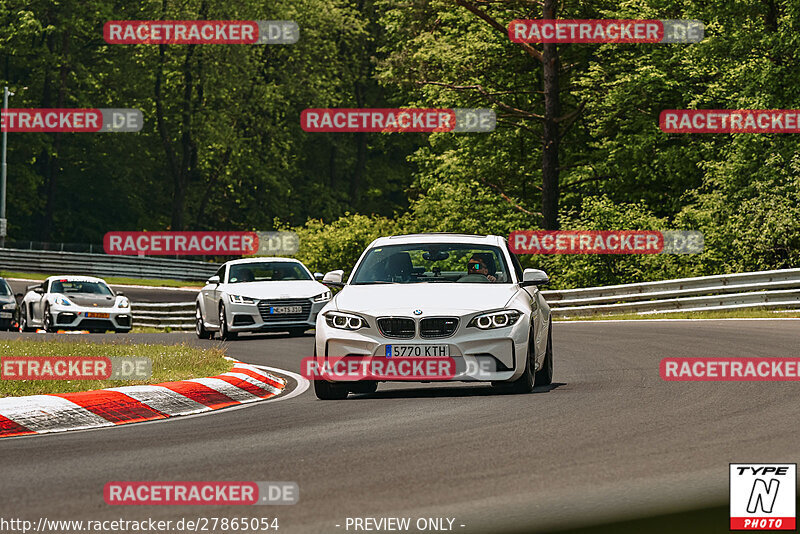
(498, 319)
(345, 321)
(238, 299)
(322, 297)
(62, 301)
(123, 303)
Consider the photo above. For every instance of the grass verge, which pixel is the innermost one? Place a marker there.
(116, 280)
(727, 314)
(170, 362)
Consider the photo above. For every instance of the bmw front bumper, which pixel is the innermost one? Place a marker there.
(498, 354)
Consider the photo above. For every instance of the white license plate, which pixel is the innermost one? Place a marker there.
(280, 310)
(417, 351)
(6, 314)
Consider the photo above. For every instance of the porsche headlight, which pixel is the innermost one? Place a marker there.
(322, 297)
(238, 299)
(62, 301)
(345, 321)
(123, 303)
(499, 319)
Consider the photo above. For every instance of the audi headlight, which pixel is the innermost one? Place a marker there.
(499, 319)
(62, 301)
(238, 299)
(123, 303)
(8, 306)
(345, 321)
(322, 297)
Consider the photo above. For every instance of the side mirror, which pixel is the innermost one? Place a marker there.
(120, 293)
(534, 277)
(39, 290)
(334, 278)
(318, 276)
(213, 280)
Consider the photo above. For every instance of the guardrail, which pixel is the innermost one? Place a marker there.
(765, 289)
(779, 289)
(57, 262)
(174, 315)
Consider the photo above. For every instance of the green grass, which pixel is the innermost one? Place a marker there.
(116, 280)
(727, 314)
(170, 362)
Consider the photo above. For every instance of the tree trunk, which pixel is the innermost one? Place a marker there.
(52, 160)
(361, 154)
(550, 135)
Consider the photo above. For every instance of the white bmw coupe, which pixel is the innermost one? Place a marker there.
(458, 297)
(259, 295)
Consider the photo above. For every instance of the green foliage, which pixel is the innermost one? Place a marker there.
(338, 245)
(230, 116)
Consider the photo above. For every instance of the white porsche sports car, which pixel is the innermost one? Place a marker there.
(450, 296)
(74, 303)
(259, 295)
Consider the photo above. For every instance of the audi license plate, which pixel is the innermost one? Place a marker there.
(96, 315)
(417, 351)
(282, 310)
(6, 314)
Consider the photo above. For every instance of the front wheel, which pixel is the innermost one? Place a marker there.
(525, 383)
(200, 327)
(364, 387)
(327, 391)
(47, 321)
(544, 376)
(224, 333)
(23, 319)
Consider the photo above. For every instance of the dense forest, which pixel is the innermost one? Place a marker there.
(577, 143)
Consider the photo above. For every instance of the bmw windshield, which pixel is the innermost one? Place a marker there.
(432, 262)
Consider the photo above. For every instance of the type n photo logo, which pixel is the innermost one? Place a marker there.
(762, 496)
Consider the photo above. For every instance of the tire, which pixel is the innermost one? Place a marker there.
(297, 332)
(199, 327)
(544, 376)
(364, 387)
(23, 319)
(525, 383)
(327, 391)
(47, 320)
(224, 333)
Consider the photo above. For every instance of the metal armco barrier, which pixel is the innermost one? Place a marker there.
(765, 289)
(778, 289)
(102, 265)
(175, 315)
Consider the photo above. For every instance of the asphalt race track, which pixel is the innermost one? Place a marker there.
(609, 440)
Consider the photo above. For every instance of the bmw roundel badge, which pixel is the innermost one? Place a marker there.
(417, 312)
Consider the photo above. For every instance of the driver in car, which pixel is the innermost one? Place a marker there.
(476, 266)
